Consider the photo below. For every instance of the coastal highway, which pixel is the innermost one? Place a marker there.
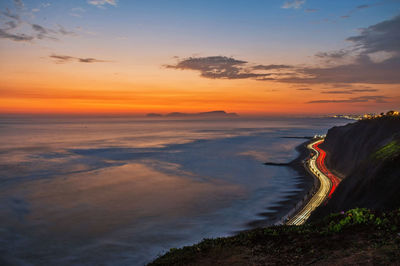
(321, 166)
(328, 183)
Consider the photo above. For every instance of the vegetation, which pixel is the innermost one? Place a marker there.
(357, 236)
(390, 150)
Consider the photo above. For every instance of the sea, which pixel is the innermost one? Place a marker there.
(123, 190)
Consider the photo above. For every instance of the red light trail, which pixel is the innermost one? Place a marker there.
(321, 166)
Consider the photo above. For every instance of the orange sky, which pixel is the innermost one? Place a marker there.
(109, 72)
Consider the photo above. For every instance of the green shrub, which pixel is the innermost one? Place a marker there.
(390, 150)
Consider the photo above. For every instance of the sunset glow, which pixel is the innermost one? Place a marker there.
(249, 57)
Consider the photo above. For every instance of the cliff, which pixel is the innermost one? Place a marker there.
(366, 154)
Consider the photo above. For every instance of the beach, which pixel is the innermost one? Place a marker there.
(295, 201)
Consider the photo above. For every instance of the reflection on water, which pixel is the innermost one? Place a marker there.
(120, 191)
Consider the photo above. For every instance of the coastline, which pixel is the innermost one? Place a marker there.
(289, 203)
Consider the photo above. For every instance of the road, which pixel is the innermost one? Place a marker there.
(321, 166)
(328, 183)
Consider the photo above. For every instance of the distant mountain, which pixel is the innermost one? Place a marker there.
(203, 114)
(212, 114)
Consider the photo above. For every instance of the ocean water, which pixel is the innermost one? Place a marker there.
(121, 191)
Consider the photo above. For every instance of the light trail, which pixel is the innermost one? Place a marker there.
(328, 183)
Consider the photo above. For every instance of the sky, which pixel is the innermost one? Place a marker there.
(253, 57)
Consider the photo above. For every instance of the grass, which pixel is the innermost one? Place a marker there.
(357, 236)
(390, 150)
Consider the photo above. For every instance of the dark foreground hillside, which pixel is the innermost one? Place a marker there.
(367, 155)
(359, 237)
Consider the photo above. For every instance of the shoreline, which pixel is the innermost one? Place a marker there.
(282, 208)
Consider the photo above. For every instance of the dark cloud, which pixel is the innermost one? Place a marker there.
(384, 36)
(41, 32)
(60, 59)
(39, 29)
(348, 91)
(63, 31)
(387, 72)
(90, 60)
(357, 8)
(304, 89)
(10, 15)
(218, 67)
(363, 6)
(9, 28)
(337, 92)
(361, 99)
(271, 67)
(340, 85)
(15, 37)
(11, 25)
(364, 90)
(333, 55)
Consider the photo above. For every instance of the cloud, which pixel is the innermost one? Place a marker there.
(381, 40)
(343, 85)
(384, 36)
(374, 58)
(102, 3)
(311, 10)
(10, 15)
(15, 37)
(60, 59)
(337, 92)
(387, 72)
(90, 60)
(304, 89)
(361, 99)
(295, 4)
(12, 26)
(357, 8)
(271, 67)
(63, 31)
(42, 33)
(352, 91)
(218, 67)
(333, 55)
(364, 90)
(18, 4)
(338, 57)
(363, 6)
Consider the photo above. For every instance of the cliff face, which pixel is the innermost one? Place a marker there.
(367, 155)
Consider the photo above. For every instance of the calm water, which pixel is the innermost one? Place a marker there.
(120, 191)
